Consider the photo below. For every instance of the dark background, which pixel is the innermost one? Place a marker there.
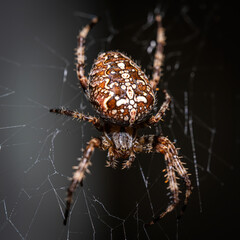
(38, 149)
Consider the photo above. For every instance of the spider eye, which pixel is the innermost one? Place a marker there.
(125, 97)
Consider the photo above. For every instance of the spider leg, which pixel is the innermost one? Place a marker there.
(80, 116)
(182, 172)
(128, 163)
(171, 153)
(173, 164)
(163, 147)
(162, 110)
(159, 56)
(80, 54)
(111, 162)
(79, 173)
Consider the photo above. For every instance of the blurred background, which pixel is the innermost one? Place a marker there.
(38, 149)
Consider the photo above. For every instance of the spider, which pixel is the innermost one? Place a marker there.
(124, 99)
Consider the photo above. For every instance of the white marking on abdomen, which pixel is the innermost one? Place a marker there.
(133, 115)
(125, 75)
(106, 100)
(130, 92)
(141, 99)
(121, 65)
(121, 101)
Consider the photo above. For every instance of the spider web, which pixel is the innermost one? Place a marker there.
(38, 149)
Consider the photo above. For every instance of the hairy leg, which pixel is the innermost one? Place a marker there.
(80, 54)
(79, 116)
(182, 172)
(163, 147)
(128, 163)
(172, 153)
(162, 110)
(159, 57)
(111, 162)
(79, 173)
(174, 165)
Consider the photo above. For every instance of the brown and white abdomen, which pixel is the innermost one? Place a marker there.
(119, 89)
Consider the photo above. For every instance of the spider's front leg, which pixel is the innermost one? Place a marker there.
(156, 75)
(159, 56)
(79, 173)
(81, 56)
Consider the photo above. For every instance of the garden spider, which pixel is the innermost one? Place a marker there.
(124, 98)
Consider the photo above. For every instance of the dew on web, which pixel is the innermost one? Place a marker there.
(38, 149)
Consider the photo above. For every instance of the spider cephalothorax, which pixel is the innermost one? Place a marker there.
(124, 98)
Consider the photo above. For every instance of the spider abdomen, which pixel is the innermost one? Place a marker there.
(119, 89)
